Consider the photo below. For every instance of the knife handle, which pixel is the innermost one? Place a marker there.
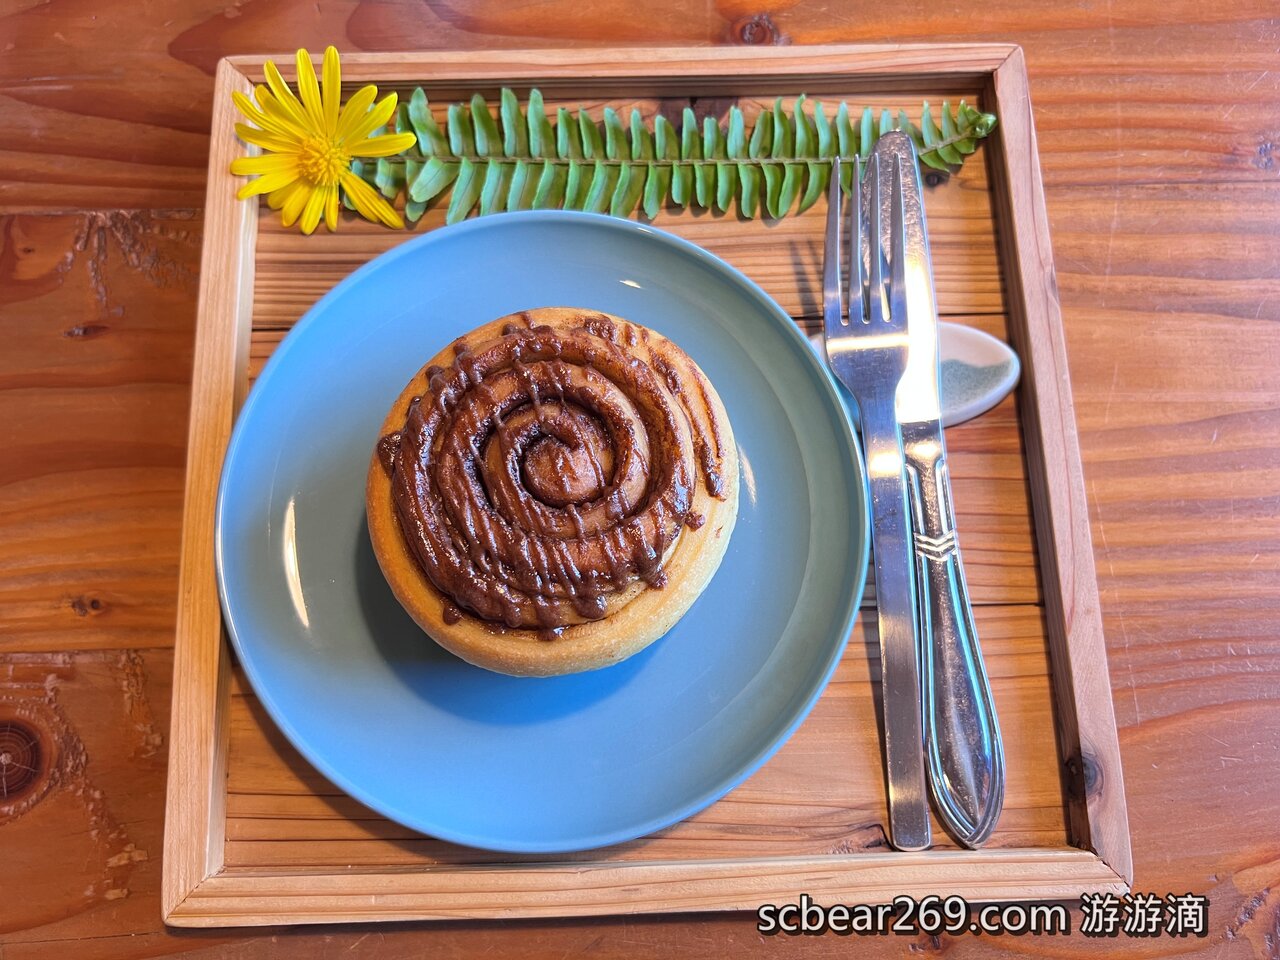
(964, 754)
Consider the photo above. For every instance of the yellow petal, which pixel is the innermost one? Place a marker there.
(282, 118)
(384, 146)
(310, 90)
(355, 109)
(368, 203)
(374, 119)
(247, 107)
(277, 198)
(314, 210)
(270, 105)
(293, 204)
(284, 97)
(332, 92)
(251, 111)
(272, 162)
(271, 111)
(266, 183)
(331, 208)
(277, 143)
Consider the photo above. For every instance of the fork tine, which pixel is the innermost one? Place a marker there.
(875, 293)
(832, 301)
(898, 255)
(857, 274)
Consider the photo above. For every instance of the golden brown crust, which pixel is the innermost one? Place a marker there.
(636, 616)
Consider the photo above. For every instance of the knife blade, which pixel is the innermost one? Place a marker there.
(964, 753)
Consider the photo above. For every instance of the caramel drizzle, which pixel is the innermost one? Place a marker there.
(703, 421)
(470, 520)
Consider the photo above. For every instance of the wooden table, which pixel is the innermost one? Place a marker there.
(1159, 124)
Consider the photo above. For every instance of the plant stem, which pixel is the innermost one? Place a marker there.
(696, 162)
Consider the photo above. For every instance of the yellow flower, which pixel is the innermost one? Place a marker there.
(310, 143)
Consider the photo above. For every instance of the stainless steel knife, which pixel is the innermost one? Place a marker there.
(964, 754)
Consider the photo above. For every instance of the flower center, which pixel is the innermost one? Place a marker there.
(322, 161)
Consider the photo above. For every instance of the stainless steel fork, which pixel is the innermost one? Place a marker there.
(866, 340)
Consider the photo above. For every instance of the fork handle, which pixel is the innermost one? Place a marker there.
(895, 605)
(962, 736)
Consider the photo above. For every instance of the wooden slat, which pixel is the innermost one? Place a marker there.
(675, 65)
(1086, 730)
(194, 812)
(822, 793)
(249, 897)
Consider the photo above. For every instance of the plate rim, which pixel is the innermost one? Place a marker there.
(723, 786)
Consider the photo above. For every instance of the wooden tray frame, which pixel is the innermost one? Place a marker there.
(199, 892)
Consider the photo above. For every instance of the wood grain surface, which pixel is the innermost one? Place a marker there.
(1158, 124)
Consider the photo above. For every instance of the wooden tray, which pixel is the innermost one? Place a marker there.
(253, 835)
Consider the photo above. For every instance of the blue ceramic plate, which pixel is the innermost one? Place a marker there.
(517, 764)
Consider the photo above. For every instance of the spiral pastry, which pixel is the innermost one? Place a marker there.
(553, 491)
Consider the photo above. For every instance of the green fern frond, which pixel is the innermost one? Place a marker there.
(519, 159)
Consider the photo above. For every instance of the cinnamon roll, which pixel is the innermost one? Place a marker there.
(552, 492)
